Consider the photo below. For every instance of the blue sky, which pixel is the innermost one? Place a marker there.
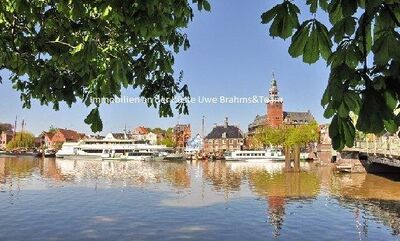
(231, 54)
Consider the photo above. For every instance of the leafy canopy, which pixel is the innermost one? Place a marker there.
(287, 136)
(22, 140)
(360, 44)
(70, 50)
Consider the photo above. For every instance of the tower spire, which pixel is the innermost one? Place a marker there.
(273, 91)
(274, 105)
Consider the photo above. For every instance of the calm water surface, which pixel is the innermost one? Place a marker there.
(93, 200)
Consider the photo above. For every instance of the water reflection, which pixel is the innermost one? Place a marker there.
(191, 185)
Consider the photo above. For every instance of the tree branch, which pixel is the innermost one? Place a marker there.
(60, 42)
(392, 14)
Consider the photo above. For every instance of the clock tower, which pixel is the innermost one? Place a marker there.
(274, 106)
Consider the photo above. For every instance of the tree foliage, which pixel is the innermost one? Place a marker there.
(22, 140)
(69, 50)
(288, 136)
(168, 138)
(77, 50)
(360, 44)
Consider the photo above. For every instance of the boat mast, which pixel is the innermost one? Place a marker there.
(202, 127)
(22, 128)
(15, 127)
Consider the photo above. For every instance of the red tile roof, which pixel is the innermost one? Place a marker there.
(70, 134)
(141, 130)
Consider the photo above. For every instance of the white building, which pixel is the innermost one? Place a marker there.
(151, 137)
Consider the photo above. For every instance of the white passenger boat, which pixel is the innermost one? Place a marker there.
(100, 148)
(135, 155)
(254, 156)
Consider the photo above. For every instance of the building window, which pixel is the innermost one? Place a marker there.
(230, 141)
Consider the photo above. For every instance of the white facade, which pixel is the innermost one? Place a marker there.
(151, 137)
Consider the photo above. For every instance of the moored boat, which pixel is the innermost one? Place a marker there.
(47, 153)
(175, 157)
(99, 148)
(134, 155)
(254, 156)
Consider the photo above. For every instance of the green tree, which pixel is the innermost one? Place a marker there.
(70, 50)
(292, 139)
(268, 136)
(93, 49)
(360, 44)
(22, 140)
(168, 139)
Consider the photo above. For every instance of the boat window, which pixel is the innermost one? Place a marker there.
(93, 151)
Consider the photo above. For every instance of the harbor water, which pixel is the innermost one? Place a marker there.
(61, 199)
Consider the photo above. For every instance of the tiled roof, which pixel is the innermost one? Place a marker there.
(70, 134)
(231, 132)
(288, 118)
(6, 126)
(181, 127)
(258, 121)
(298, 117)
(141, 130)
(49, 134)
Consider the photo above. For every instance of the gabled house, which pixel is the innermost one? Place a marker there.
(224, 138)
(56, 138)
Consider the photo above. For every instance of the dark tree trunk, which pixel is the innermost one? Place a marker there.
(296, 158)
(288, 162)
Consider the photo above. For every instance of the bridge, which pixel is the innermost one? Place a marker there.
(382, 155)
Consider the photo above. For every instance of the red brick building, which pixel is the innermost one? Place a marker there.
(181, 135)
(223, 138)
(275, 114)
(56, 138)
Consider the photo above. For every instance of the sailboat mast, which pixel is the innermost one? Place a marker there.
(22, 128)
(202, 127)
(15, 127)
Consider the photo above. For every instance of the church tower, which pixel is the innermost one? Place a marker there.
(274, 105)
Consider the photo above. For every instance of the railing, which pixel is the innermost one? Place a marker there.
(386, 146)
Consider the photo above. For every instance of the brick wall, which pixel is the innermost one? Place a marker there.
(222, 144)
(274, 114)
